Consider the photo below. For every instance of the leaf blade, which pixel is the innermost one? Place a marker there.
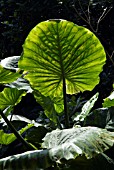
(72, 143)
(7, 76)
(62, 49)
(6, 138)
(10, 97)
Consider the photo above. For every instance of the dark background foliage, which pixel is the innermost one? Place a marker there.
(18, 17)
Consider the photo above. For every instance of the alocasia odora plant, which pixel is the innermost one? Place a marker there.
(62, 58)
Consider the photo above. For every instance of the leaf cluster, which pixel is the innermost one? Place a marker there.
(59, 59)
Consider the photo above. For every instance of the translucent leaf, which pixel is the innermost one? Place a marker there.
(109, 101)
(7, 138)
(10, 97)
(58, 49)
(52, 108)
(7, 76)
(71, 143)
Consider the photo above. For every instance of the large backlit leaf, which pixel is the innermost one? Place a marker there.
(58, 49)
(72, 143)
(7, 76)
(10, 97)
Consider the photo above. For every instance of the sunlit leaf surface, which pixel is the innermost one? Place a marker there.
(109, 101)
(7, 138)
(72, 143)
(10, 97)
(58, 49)
(7, 76)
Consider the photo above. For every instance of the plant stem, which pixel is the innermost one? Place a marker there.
(65, 104)
(19, 137)
(64, 83)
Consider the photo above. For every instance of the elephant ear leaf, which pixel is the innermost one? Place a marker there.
(7, 138)
(10, 97)
(10, 63)
(109, 101)
(7, 76)
(57, 50)
(83, 142)
(37, 160)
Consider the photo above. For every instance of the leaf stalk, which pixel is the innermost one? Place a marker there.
(19, 137)
(65, 104)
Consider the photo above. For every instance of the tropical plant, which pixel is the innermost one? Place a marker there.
(59, 58)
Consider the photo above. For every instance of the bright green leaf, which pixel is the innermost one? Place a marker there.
(7, 76)
(7, 138)
(52, 108)
(109, 101)
(58, 49)
(10, 97)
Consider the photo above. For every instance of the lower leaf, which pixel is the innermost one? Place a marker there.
(72, 143)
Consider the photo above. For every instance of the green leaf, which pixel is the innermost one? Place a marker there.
(52, 107)
(109, 101)
(7, 76)
(77, 147)
(77, 142)
(32, 160)
(58, 49)
(10, 63)
(36, 134)
(101, 117)
(10, 97)
(19, 118)
(86, 108)
(20, 84)
(7, 138)
(100, 162)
